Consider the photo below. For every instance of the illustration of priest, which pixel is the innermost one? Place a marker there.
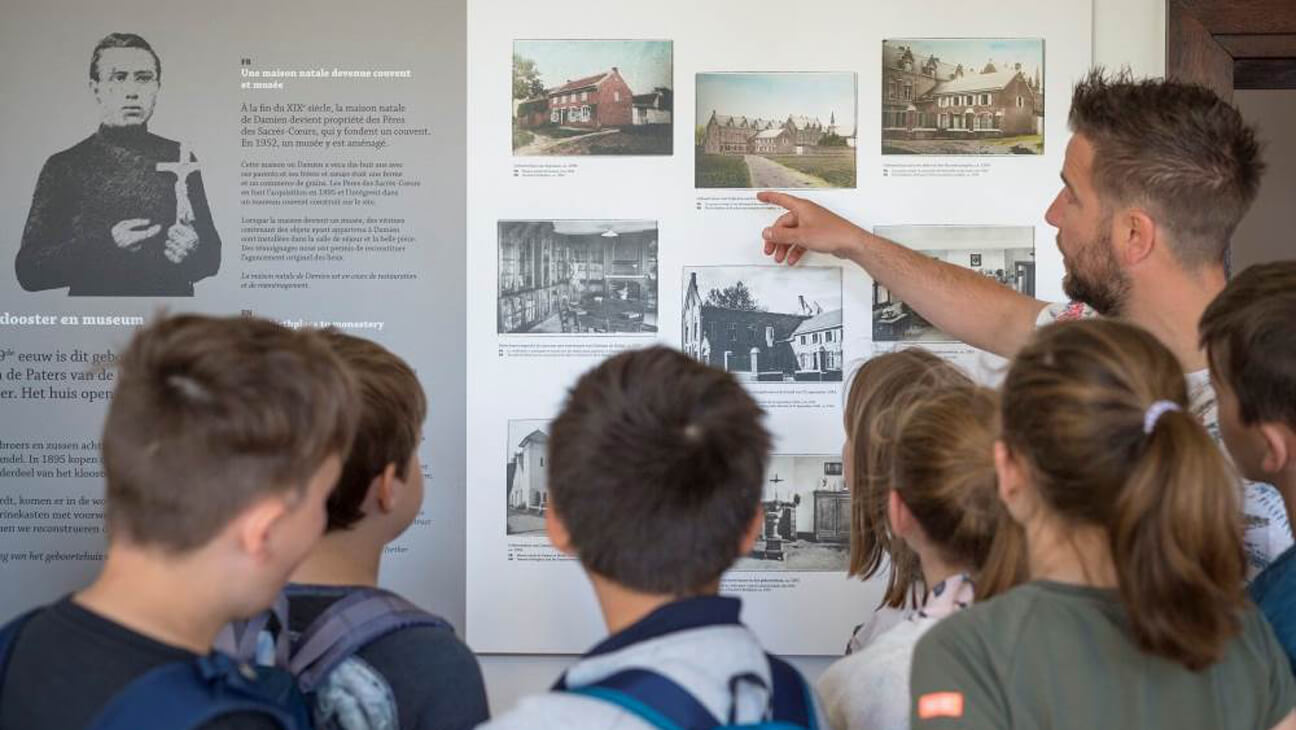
(123, 212)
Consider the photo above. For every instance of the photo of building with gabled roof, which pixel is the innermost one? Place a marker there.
(962, 96)
(592, 97)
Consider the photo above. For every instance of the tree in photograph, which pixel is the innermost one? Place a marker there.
(737, 297)
(526, 78)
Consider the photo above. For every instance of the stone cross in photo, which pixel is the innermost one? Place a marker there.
(182, 169)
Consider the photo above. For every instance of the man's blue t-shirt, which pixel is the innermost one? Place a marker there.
(1274, 591)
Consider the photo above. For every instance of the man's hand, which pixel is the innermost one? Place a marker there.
(182, 239)
(131, 232)
(806, 226)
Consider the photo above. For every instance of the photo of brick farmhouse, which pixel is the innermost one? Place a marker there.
(775, 130)
(577, 277)
(765, 324)
(1003, 253)
(592, 97)
(963, 96)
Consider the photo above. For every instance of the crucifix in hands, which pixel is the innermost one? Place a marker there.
(182, 239)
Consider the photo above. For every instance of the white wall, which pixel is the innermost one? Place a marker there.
(1126, 32)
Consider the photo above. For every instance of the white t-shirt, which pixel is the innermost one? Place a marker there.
(1268, 532)
(869, 690)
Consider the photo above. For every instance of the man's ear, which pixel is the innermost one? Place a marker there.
(385, 489)
(255, 525)
(557, 531)
(753, 533)
(1135, 237)
(1279, 441)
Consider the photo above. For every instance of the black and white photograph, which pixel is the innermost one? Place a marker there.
(592, 97)
(775, 130)
(527, 476)
(963, 96)
(123, 212)
(1005, 254)
(765, 324)
(805, 510)
(577, 277)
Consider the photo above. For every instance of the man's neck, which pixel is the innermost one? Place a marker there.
(1171, 305)
(342, 558)
(623, 607)
(166, 599)
(1077, 555)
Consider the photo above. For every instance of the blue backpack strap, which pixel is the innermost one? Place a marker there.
(651, 697)
(348, 625)
(9, 638)
(793, 703)
(188, 694)
(243, 639)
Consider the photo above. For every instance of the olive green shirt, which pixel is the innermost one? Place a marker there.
(1051, 655)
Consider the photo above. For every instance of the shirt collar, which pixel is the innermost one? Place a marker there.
(681, 615)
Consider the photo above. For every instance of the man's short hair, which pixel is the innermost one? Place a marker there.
(388, 425)
(122, 40)
(656, 466)
(211, 414)
(1177, 150)
(1249, 334)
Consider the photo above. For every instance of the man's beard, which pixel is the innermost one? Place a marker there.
(1096, 279)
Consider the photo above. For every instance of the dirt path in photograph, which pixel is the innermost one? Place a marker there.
(543, 145)
(769, 174)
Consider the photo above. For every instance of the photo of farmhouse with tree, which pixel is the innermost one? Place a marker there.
(765, 324)
(963, 97)
(775, 130)
(592, 97)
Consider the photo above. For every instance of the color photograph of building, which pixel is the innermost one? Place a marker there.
(963, 96)
(592, 97)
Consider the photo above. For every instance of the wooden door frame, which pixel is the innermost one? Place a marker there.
(1232, 44)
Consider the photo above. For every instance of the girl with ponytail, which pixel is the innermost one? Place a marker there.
(1135, 615)
(942, 504)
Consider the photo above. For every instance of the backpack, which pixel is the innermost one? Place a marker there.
(184, 695)
(662, 703)
(343, 691)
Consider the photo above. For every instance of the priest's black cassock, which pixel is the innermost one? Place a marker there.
(84, 191)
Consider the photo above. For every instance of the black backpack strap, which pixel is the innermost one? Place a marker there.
(188, 694)
(9, 639)
(793, 702)
(348, 625)
(651, 697)
(241, 639)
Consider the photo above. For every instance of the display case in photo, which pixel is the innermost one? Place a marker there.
(775, 130)
(577, 277)
(765, 324)
(963, 96)
(527, 476)
(1005, 254)
(592, 97)
(805, 516)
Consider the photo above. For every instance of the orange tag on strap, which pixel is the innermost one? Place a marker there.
(940, 704)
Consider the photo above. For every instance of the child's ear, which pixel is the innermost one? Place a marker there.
(557, 531)
(753, 532)
(255, 525)
(386, 489)
(898, 514)
(1279, 441)
(1012, 480)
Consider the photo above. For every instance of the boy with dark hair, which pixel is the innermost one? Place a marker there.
(413, 670)
(656, 466)
(1249, 334)
(222, 442)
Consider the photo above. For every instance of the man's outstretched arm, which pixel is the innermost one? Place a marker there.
(961, 302)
